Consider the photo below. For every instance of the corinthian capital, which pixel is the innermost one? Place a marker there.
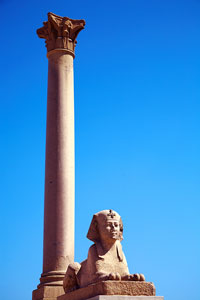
(60, 32)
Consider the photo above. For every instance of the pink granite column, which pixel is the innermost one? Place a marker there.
(58, 251)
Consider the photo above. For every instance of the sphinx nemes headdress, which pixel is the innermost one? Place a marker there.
(93, 233)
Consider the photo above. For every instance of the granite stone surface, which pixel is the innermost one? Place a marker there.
(120, 297)
(128, 288)
(47, 293)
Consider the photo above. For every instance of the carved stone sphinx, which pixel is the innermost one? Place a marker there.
(106, 260)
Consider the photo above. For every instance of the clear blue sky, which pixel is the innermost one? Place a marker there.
(137, 112)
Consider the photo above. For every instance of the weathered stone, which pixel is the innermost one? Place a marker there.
(121, 297)
(47, 293)
(106, 260)
(131, 288)
(60, 34)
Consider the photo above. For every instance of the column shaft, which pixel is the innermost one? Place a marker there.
(59, 170)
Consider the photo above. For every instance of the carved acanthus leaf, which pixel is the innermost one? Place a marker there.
(60, 32)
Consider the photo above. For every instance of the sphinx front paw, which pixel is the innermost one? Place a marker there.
(114, 276)
(138, 277)
(134, 277)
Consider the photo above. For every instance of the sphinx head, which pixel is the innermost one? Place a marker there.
(105, 225)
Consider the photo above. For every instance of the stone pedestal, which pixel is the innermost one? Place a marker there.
(110, 288)
(58, 249)
(118, 297)
(47, 293)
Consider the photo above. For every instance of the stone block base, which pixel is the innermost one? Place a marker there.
(47, 293)
(128, 288)
(106, 297)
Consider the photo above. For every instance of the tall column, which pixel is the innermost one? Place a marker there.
(58, 249)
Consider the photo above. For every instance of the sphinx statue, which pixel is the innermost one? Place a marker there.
(106, 260)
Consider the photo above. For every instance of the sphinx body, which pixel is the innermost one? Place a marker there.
(106, 260)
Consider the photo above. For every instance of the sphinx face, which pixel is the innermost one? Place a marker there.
(109, 229)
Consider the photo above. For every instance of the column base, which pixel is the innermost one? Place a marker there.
(50, 287)
(47, 293)
(53, 278)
